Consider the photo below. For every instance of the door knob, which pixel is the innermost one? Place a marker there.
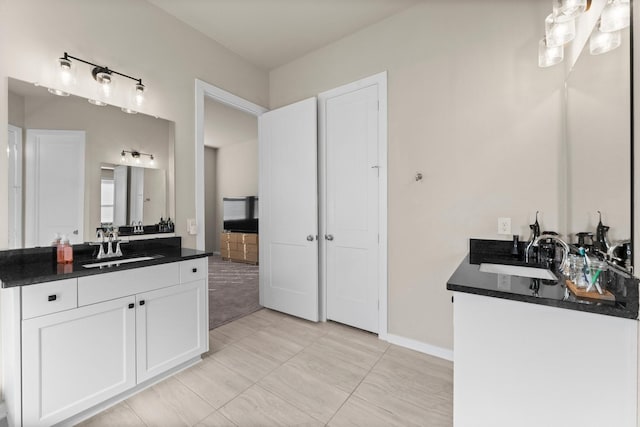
(310, 238)
(329, 237)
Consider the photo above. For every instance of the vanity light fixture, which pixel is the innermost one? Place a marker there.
(103, 76)
(549, 55)
(616, 15)
(135, 154)
(558, 33)
(602, 42)
(566, 10)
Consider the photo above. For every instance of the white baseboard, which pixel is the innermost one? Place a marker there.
(432, 350)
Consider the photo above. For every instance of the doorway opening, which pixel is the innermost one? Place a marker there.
(227, 170)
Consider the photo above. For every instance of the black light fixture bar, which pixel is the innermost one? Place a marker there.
(100, 68)
(135, 154)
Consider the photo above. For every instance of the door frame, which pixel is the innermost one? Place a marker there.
(380, 80)
(16, 234)
(204, 89)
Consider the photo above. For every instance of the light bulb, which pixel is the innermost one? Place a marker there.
(138, 160)
(152, 160)
(615, 16)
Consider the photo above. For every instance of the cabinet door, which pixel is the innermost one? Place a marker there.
(171, 327)
(75, 359)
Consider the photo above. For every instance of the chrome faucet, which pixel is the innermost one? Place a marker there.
(113, 238)
(564, 264)
(100, 235)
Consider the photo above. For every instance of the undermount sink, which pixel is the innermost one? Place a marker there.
(112, 262)
(518, 270)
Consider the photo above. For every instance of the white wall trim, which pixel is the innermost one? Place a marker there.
(432, 350)
(380, 80)
(227, 98)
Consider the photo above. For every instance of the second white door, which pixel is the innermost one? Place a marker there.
(351, 194)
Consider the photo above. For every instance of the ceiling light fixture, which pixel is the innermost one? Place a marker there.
(135, 154)
(103, 75)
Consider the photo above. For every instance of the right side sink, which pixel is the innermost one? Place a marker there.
(518, 270)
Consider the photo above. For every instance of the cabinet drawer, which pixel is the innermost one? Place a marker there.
(193, 269)
(50, 297)
(103, 287)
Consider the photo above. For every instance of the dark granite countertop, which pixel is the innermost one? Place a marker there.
(469, 279)
(38, 265)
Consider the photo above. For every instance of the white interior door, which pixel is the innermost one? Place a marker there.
(15, 187)
(136, 194)
(120, 195)
(289, 209)
(54, 186)
(352, 175)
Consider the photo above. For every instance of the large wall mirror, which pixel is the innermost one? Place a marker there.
(598, 143)
(45, 133)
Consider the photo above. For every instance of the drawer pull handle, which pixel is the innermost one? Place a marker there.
(142, 302)
(132, 305)
(194, 270)
(52, 297)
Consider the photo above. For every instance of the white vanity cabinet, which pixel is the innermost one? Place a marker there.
(88, 342)
(75, 359)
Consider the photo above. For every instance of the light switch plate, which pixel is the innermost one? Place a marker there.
(192, 226)
(504, 225)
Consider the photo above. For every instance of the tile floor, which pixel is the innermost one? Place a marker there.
(269, 369)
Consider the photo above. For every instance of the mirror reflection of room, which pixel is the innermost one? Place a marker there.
(84, 139)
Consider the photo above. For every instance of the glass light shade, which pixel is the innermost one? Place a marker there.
(601, 42)
(548, 56)
(565, 10)
(138, 94)
(559, 33)
(129, 110)
(66, 72)
(615, 16)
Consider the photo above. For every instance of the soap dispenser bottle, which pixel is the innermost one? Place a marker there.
(59, 249)
(67, 251)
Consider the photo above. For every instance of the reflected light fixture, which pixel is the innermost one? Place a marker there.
(616, 15)
(549, 55)
(136, 155)
(602, 42)
(103, 75)
(558, 33)
(565, 10)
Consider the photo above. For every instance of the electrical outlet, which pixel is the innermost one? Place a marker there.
(504, 225)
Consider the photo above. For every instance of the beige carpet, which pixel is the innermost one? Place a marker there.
(233, 290)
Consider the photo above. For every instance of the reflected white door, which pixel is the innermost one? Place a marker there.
(352, 168)
(289, 210)
(54, 186)
(15, 187)
(120, 194)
